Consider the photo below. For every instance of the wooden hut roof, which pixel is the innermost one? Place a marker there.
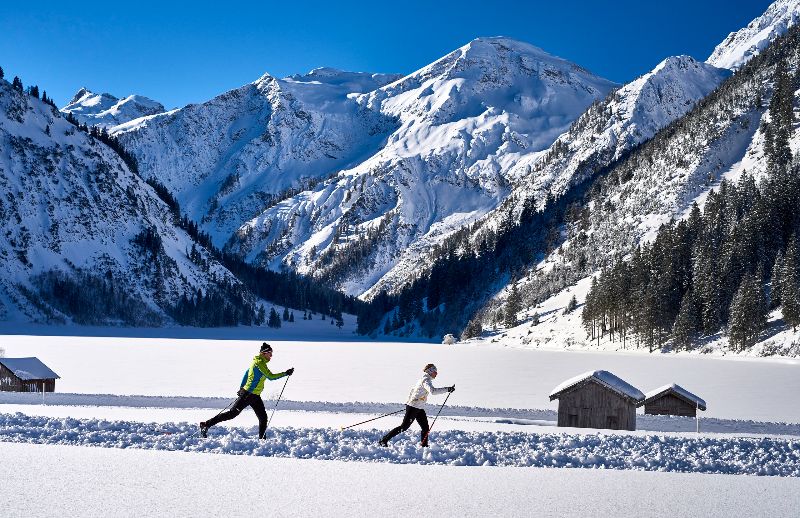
(677, 391)
(28, 368)
(605, 379)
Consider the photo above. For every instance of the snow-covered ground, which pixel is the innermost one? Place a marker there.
(486, 375)
(145, 395)
(136, 483)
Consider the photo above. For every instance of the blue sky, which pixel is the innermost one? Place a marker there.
(181, 52)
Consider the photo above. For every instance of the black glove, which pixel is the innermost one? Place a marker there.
(290, 371)
(241, 392)
(451, 389)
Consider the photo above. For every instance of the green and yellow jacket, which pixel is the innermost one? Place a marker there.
(254, 377)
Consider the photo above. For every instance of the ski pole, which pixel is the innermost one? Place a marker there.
(437, 417)
(276, 405)
(368, 420)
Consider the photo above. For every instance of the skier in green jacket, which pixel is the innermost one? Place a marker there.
(250, 392)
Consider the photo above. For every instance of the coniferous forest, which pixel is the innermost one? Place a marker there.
(721, 269)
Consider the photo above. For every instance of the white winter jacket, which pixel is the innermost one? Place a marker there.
(419, 394)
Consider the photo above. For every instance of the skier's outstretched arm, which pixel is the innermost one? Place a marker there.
(434, 391)
(272, 376)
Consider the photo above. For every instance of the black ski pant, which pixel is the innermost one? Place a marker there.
(254, 401)
(412, 414)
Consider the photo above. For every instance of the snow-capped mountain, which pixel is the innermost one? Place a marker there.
(722, 138)
(76, 222)
(105, 110)
(460, 125)
(749, 41)
(228, 159)
(607, 131)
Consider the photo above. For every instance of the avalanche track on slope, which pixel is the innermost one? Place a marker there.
(740, 456)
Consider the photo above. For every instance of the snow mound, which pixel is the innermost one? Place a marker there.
(736, 456)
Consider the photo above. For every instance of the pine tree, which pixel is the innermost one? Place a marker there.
(17, 83)
(285, 314)
(790, 285)
(748, 314)
(781, 114)
(291, 316)
(274, 319)
(775, 282)
(687, 323)
(706, 281)
(2, 74)
(589, 312)
(571, 305)
(513, 306)
(473, 329)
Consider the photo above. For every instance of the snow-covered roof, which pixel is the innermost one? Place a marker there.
(678, 391)
(28, 368)
(606, 379)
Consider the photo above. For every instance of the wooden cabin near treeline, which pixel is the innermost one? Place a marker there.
(26, 375)
(672, 400)
(597, 399)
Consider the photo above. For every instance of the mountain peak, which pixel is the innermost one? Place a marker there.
(745, 43)
(107, 110)
(684, 65)
(681, 61)
(82, 93)
(503, 44)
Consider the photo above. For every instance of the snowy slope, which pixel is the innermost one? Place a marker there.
(749, 41)
(227, 159)
(105, 110)
(628, 117)
(462, 124)
(604, 133)
(70, 204)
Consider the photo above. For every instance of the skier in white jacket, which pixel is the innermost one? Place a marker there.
(415, 406)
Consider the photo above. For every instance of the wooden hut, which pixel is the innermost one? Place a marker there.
(597, 399)
(672, 400)
(26, 375)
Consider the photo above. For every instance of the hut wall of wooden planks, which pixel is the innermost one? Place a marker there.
(594, 406)
(670, 405)
(597, 399)
(672, 400)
